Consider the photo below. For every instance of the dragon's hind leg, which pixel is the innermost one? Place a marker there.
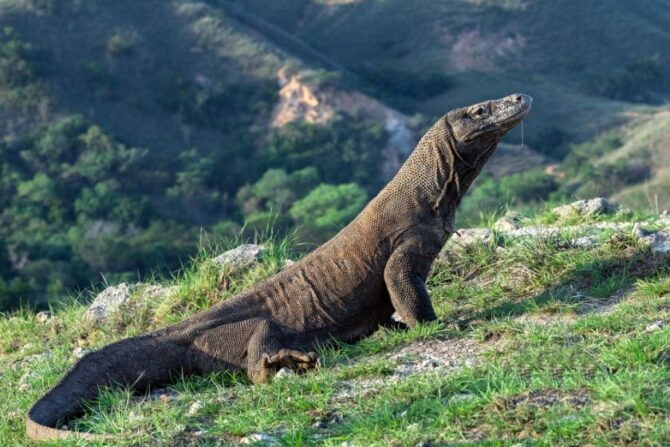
(256, 346)
(267, 352)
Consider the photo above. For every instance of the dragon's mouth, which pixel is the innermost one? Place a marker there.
(520, 108)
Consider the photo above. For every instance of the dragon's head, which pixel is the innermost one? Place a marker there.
(475, 130)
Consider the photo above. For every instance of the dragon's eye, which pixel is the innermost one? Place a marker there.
(479, 111)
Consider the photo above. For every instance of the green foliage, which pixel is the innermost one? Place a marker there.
(491, 195)
(586, 177)
(417, 86)
(120, 43)
(276, 190)
(580, 159)
(222, 105)
(348, 149)
(552, 142)
(20, 93)
(327, 208)
(634, 82)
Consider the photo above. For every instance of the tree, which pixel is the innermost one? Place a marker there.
(327, 208)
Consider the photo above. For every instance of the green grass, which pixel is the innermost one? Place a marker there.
(565, 360)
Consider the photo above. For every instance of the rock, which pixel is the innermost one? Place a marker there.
(258, 438)
(239, 258)
(43, 317)
(284, 373)
(470, 236)
(655, 326)
(585, 242)
(164, 395)
(320, 424)
(79, 352)
(509, 222)
(194, 408)
(156, 291)
(348, 444)
(165, 398)
(591, 207)
(460, 397)
(288, 263)
(107, 302)
(660, 242)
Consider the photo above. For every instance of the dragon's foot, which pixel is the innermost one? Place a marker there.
(284, 358)
(295, 360)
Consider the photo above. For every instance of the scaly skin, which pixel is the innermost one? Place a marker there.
(345, 289)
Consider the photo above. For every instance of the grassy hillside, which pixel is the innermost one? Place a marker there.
(558, 343)
(629, 163)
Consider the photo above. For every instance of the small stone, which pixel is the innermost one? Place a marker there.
(242, 257)
(194, 408)
(320, 425)
(348, 444)
(655, 326)
(637, 230)
(509, 222)
(43, 317)
(462, 397)
(591, 207)
(80, 352)
(107, 302)
(156, 291)
(288, 263)
(258, 438)
(165, 398)
(660, 242)
(585, 242)
(469, 236)
(284, 373)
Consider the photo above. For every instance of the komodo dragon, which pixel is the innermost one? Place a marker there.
(345, 289)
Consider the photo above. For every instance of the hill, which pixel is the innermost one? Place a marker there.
(559, 336)
(131, 134)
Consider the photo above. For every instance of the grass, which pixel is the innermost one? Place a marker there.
(564, 360)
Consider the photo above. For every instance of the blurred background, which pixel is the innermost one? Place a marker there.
(134, 132)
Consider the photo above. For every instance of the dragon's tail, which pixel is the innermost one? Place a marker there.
(137, 362)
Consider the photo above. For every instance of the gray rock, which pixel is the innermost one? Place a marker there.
(107, 302)
(288, 263)
(591, 207)
(284, 373)
(43, 317)
(156, 291)
(258, 438)
(242, 257)
(509, 222)
(79, 352)
(585, 242)
(194, 408)
(348, 444)
(655, 326)
(661, 242)
(470, 236)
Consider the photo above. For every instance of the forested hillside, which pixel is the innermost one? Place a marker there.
(133, 133)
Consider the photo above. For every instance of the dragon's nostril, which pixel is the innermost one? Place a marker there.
(519, 98)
